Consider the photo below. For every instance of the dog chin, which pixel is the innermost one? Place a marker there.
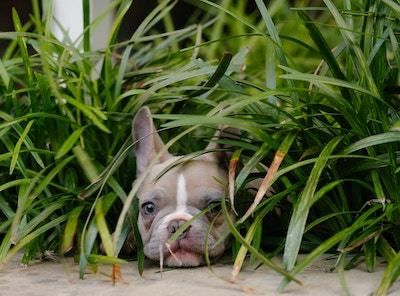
(182, 258)
(182, 253)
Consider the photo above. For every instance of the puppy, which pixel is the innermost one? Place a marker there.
(168, 201)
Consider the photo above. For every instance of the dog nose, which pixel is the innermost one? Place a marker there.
(175, 225)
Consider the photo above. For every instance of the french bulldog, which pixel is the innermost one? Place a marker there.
(168, 201)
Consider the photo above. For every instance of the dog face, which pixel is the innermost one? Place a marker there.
(168, 202)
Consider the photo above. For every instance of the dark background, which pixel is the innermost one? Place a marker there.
(181, 13)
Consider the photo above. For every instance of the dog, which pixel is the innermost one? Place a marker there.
(169, 201)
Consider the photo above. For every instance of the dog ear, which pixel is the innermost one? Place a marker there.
(222, 157)
(148, 141)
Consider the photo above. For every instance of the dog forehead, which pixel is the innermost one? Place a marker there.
(204, 181)
(203, 174)
(200, 178)
(195, 173)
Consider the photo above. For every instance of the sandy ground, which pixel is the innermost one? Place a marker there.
(61, 277)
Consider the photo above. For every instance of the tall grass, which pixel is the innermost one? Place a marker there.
(318, 103)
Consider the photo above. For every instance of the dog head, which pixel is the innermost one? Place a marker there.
(168, 201)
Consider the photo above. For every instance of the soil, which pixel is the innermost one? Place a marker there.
(61, 277)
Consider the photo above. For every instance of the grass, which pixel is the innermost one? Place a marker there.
(318, 103)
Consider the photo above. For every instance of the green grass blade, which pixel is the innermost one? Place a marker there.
(362, 222)
(318, 80)
(50, 176)
(395, 7)
(385, 249)
(18, 146)
(241, 254)
(359, 59)
(103, 229)
(34, 234)
(95, 115)
(278, 44)
(370, 255)
(322, 45)
(86, 163)
(302, 207)
(325, 51)
(381, 139)
(86, 21)
(70, 230)
(5, 243)
(392, 272)
(265, 260)
(38, 219)
(26, 60)
(69, 143)
(4, 205)
(107, 172)
(215, 77)
(272, 170)
(101, 259)
(4, 74)
(88, 239)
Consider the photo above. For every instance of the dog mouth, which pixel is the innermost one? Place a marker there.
(174, 246)
(180, 254)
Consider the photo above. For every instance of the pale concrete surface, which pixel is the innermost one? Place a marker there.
(61, 278)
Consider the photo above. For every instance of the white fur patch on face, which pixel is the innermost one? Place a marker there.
(181, 210)
(181, 195)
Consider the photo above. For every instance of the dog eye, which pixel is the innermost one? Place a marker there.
(215, 206)
(149, 208)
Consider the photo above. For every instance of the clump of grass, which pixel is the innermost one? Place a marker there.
(334, 137)
(320, 107)
(62, 129)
